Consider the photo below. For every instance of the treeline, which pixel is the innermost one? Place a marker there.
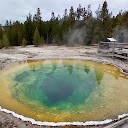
(75, 27)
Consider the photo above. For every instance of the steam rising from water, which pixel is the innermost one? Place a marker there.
(75, 37)
(119, 30)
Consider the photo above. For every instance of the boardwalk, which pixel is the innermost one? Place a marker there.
(119, 124)
(113, 49)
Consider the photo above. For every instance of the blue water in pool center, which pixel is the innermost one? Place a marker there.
(57, 85)
(64, 90)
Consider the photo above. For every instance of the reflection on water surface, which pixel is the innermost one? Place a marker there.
(64, 90)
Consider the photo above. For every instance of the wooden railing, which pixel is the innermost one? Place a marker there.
(113, 49)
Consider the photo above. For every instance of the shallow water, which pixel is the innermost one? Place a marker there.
(64, 90)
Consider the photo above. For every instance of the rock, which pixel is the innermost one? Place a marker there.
(0, 124)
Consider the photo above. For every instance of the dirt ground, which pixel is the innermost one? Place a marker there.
(18, 53)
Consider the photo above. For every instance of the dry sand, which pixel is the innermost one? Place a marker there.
(18, 53)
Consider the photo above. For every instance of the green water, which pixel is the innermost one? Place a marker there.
(57, 85)
(64, 90)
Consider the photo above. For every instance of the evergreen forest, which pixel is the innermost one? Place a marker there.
(76, 27)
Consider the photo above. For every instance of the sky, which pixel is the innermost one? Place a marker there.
(19, 9)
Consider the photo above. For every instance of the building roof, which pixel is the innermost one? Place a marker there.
(112, 39)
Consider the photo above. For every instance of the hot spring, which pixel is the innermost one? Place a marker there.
(64, 90)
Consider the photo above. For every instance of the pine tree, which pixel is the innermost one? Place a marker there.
(104, 11)
(36, 37)
(37, 17)
(5, 41)
(106, 20)
(37, 22)
(7, 23)
(1, 44)
(79, 12)
(84, 13)
(24, 42)
(53, 16)
(1, 32)
(89, 12)
(41, 42)
(15, 34)
(71, 17)
(65, 14)
(29, 29)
